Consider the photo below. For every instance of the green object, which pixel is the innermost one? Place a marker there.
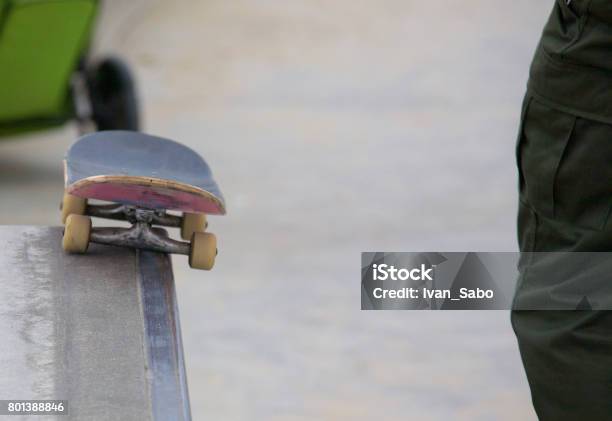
(41, 43)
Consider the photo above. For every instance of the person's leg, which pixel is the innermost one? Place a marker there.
(568, 360)
(565, 165)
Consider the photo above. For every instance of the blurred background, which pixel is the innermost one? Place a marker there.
(332, 128)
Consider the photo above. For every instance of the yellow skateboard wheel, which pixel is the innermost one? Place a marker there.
(76, 233)
(203, 250)
(192, 222)
(72, 205)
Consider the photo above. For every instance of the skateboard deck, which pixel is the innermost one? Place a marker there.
(141, 170)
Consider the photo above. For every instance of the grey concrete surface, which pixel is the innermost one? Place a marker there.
(332, 128)
(97, 330)
(68, 332)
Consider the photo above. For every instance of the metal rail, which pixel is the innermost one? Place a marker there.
(163, 343)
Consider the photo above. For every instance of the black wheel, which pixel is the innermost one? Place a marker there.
(112, 91)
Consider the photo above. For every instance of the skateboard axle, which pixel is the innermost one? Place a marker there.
(140, 235)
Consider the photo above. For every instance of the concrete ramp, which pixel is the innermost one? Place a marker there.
(99, 330)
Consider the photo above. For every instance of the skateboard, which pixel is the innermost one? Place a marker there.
(147, 180)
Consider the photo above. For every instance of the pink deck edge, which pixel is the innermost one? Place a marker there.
(148, 197)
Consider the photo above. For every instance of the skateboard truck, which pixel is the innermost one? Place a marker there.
(140, 235)
(133, 214)
(78, 232)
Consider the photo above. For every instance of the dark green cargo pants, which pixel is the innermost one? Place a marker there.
(565, 170)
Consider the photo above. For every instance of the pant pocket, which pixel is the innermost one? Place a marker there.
(566, 167)
(583, 182)
(544, 136)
